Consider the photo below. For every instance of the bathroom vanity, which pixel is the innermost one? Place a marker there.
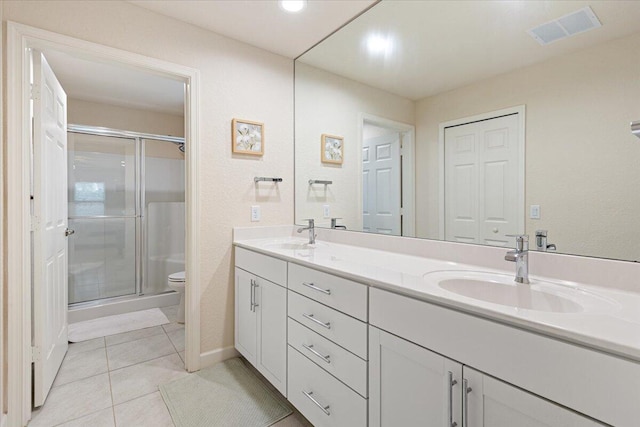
(361, 337)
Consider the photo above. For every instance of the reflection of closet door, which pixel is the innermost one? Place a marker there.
(381, 185)
(482, 177)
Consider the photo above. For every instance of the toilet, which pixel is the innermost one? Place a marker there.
(176, 281)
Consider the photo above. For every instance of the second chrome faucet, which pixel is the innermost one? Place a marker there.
(312, 231)
(520, 255)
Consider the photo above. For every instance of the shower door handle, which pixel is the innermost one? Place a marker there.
(68, 232)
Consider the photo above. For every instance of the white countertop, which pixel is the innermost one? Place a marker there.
(610, 321)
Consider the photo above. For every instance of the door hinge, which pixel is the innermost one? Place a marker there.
(401, 211)
(35, 354)
(34, 92)
(35, 223)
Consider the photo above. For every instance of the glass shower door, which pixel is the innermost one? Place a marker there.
(103, 212)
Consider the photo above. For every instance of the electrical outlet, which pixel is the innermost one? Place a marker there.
(326, 211)
(534, 212)
(255, 213)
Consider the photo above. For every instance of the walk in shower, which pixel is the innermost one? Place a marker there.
(126, 206)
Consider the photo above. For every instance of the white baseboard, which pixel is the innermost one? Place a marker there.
(215, 356)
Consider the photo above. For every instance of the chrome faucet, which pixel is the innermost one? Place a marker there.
(520, 255)
(334, 224)
(312, 231)
(542, 243)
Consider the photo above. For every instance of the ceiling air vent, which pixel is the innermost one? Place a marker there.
(566, 26)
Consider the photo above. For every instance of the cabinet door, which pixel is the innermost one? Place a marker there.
(272, 333)
(493, 403)
(410, 385)
(245, 316)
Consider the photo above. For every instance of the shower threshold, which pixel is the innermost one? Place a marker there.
(79, 312)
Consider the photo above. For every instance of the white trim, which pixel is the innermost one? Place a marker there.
(408, 167)
(521, 111)
(19, 38)
(212, 357)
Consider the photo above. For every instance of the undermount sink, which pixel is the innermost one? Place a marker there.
(291, 246)
(501, 289)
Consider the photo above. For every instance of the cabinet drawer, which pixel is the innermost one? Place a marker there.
(334, 359)
(342, 294)
(272, 269)
(337, 405)
(345, 331)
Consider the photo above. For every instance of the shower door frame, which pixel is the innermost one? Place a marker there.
(139, 139)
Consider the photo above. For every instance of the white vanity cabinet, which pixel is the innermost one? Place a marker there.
(327, 348)
(261, 314)
(412, 386)
(514, 376)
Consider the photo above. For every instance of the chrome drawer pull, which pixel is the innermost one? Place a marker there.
(314, 351)
(313, 319)
(325, 409)
(465, 405)
(315, 288)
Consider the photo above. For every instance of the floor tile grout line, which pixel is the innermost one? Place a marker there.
(113, 407)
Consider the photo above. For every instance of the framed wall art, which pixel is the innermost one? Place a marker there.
(248, 137)
(332, 149)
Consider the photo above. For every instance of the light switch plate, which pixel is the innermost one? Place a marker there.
(534, 212)
(326, 211)
(255, 213)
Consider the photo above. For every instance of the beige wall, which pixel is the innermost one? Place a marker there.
(81, 112)
(581, 159)
(330, 104)
(237, 80)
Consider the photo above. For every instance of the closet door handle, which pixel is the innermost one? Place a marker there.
(313, 319)
(315, 288)
(325, 409)
(452, 383)
(314, 351)
(465, 402)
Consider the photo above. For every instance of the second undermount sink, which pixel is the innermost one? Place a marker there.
(501, 289)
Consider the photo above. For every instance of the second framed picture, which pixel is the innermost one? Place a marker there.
(332, 149)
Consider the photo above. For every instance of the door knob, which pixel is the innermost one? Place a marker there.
(68, 232)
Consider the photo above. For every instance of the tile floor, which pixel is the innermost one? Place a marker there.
(113, 381)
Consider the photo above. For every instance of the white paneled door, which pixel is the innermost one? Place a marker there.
(482, 180)
(49, 221)
(381, 185)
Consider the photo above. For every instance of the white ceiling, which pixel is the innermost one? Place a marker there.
(442, 45)
(114, 84)
(263, 23)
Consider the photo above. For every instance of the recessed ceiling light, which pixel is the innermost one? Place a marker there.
(293, 6)
(377, 44)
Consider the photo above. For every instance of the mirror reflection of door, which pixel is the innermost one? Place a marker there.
(381, 180)
(482, 176)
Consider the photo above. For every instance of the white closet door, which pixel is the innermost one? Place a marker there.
(482, 177)
(50, 297)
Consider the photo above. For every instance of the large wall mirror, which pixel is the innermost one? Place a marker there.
(471, 121)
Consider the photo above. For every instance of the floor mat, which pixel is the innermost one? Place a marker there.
(226, 394)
